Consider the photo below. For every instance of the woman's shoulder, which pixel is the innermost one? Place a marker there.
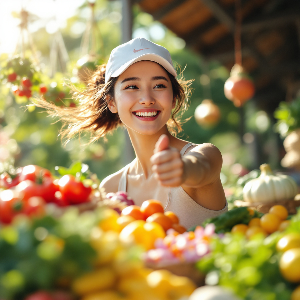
(111, 182)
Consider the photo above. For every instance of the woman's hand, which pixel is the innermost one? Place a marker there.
(167, 164)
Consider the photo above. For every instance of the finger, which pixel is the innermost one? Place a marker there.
(162, 143)
(175, 182)
(168, 166)
(164, 156)
(169, 175)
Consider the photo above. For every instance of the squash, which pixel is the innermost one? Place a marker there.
(269, 187)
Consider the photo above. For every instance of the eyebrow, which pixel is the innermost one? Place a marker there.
(137, 78)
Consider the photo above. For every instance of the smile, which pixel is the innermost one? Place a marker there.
(146, 114)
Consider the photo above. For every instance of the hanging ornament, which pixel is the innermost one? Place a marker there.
(238, 88)
(207, 114)
(91, 46)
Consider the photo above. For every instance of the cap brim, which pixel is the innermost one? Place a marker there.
(152, 57)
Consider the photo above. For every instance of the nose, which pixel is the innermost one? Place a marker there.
(147, 98)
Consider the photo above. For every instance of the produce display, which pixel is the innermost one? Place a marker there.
(62, 238)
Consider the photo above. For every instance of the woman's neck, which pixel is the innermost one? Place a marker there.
(144, 148)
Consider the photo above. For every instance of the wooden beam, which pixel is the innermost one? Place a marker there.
(219, 13)
(271, 21)
(167, 9)
(224, 18)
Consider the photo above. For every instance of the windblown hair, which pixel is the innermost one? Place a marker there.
(92, 114)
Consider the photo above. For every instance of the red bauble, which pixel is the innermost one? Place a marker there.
(238, 88)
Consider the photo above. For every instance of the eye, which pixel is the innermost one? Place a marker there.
(131, 87)
(160, 86)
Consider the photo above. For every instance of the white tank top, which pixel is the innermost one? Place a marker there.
(189, 212)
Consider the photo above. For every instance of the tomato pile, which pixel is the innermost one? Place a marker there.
(32, 187)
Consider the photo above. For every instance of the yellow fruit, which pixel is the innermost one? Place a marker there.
(181, 287)
(132, 284)
(270, 222)
(94, 281)
(289, 241)
(254, 222)
(284, 225)
(109, 220)
(289, 265)
(253, 231)
(160, 281)
(104, 295)
(125, 220)
(296, 293)
(155, 230)
(280, 211)
(239, 228)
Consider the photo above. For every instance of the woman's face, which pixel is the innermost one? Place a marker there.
(143, 97)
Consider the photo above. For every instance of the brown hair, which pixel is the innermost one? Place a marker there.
(92, 114)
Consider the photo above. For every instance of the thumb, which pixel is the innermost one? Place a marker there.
(162, 143)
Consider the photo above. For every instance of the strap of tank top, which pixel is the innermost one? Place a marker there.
(183, 150)
(123, 180)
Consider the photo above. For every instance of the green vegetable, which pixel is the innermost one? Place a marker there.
(226, 221)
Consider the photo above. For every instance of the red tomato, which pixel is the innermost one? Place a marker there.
(34, 173)
(7, 181)
(26, 82)
(73, 190)
(10, 206)
(40, 295)
(46, 189)
(43, 89)
(12, 77)
(34, 207)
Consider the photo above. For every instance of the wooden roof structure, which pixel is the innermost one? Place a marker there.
(270, 39)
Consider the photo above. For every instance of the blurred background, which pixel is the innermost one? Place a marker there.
(51, 42)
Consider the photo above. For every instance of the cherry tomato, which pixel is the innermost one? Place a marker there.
(43, 89)
(26, 82)
(34, 173)
(73, 190)
(7, 181)
(12, 77)
(10, 206)
(34, 207)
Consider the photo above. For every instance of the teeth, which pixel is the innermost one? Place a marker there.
(146, 114)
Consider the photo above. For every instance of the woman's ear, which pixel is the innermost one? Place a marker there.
(111, 104)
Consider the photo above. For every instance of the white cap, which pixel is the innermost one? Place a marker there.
(136, 50)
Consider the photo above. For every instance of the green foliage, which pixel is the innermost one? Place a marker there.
(249, 268)
(38, 254)
(288, 117)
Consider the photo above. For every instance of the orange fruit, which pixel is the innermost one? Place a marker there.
(136, 232)
(289, 265)
(280, 211)
(270, 222)
(179, 228)
(174, 218)
(253, 231)
(161, 219)
(125, 220)
(155, 229)
(150, 207)
(254, 222)
(239, 228)
(284, 225)
(288, 241)
(133, 211)
(296, 293)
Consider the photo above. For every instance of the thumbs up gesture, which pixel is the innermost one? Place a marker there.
(167, 163)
